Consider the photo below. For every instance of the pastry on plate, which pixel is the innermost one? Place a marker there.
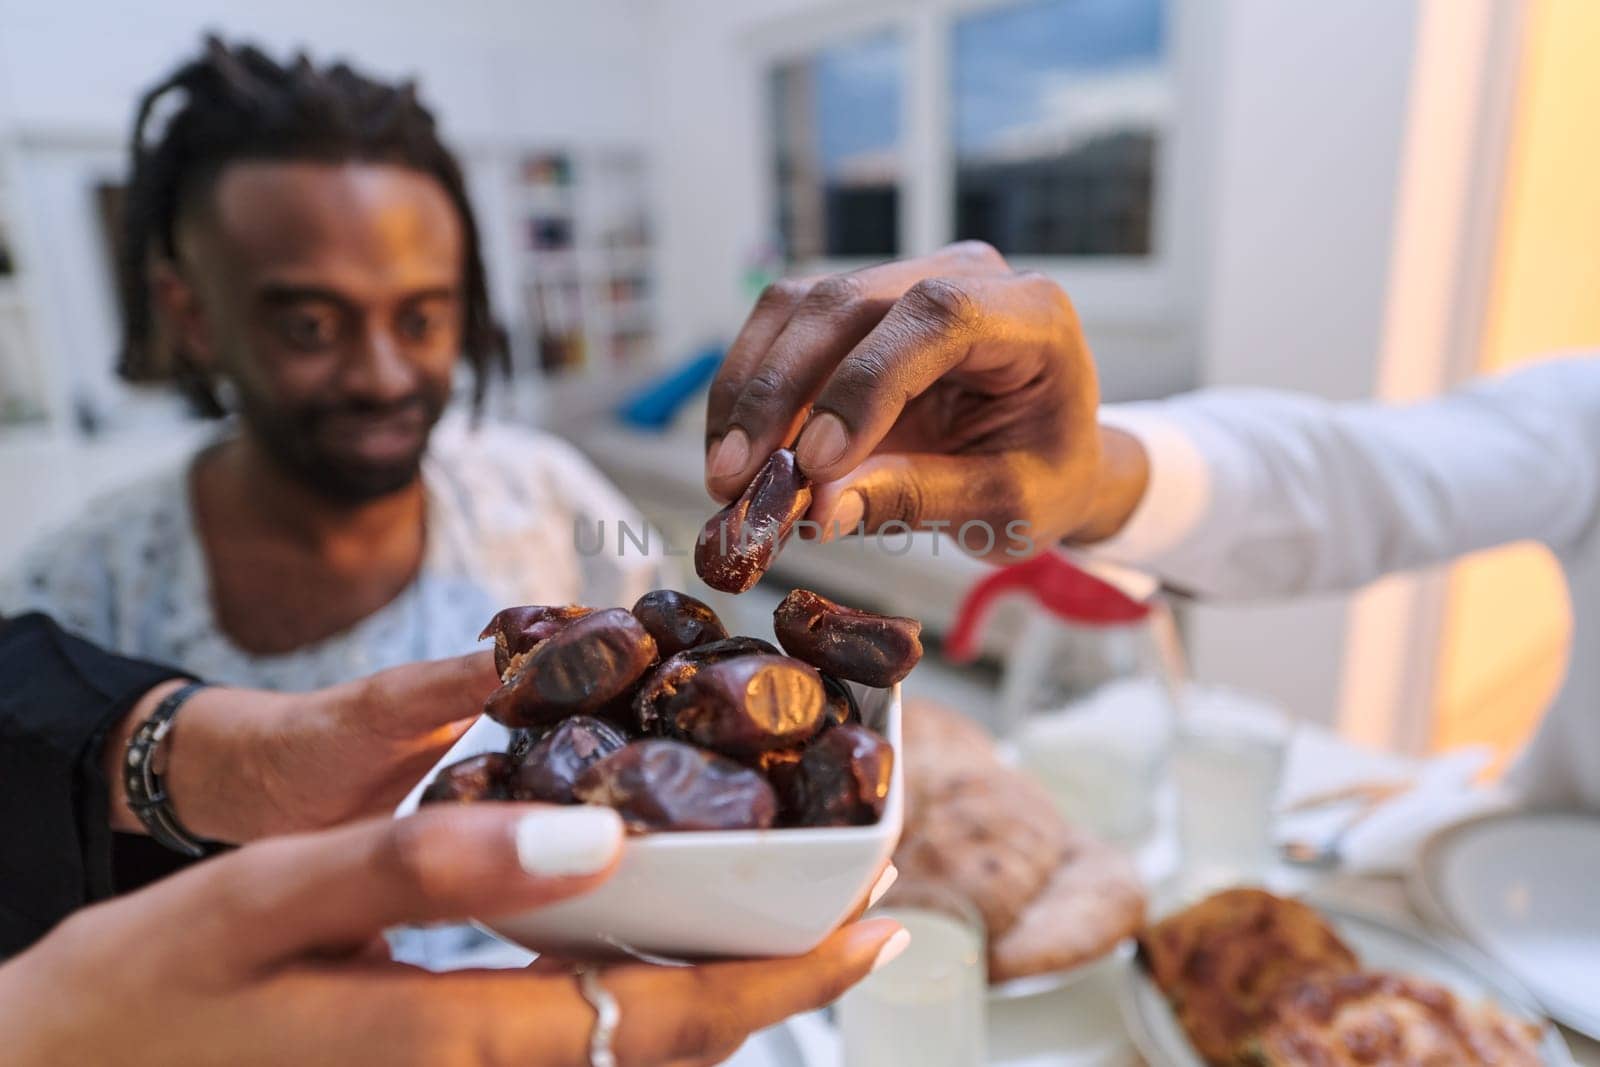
(1387, 1020)
(941, 743)
(1051, 896)
(1091, 903)
(989, 835)
(1222, 962)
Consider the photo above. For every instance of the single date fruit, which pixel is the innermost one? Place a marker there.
(842, 706)
(842, 779)
(517, 631)
(740, 542)
(667, 678)
(677, 621)
(587, 665)
(550, 768)
(875, 650)
(481, 777)
(665, 785)
(746, 705)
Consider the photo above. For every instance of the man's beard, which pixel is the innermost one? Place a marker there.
(297, 440)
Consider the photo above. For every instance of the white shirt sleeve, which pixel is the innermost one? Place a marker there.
(1265, 494)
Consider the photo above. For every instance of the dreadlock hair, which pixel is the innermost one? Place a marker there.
(239, 105)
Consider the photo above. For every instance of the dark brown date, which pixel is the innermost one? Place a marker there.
(516, 631)
(842, 779)
(664, 785)
(746, 705)
(677, 620)
(550, 768)
(587, 665)
(875, 650)
(666, 679)
(842, 706)
(740, 542)
(475, 778)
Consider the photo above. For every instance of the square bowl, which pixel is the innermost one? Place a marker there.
(747, 893)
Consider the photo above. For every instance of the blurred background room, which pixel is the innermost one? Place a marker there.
(1367, 198)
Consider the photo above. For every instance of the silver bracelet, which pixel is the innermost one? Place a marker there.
(146, 790)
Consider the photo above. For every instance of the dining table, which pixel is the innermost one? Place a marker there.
(1082, 1023)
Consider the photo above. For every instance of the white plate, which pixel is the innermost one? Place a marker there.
(1381, 947)
(1036, 985)
(1525, 889)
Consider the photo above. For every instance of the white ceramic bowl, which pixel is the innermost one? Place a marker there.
(725, 893)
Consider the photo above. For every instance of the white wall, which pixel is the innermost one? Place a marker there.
(1313, 99)
(495, 69)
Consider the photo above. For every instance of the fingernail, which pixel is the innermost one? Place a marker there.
(881, 886)
(729, 455)
(821, 443)
(568, 841)
(847, 514)
(891, 949)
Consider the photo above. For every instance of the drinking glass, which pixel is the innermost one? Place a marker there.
(926, 1008)
(1227, 765)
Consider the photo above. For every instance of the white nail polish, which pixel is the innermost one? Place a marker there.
(881, 886)
(891, 949)
(568, 841)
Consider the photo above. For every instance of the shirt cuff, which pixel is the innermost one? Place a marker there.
(1176, 497)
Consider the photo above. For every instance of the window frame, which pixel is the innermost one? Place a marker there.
(1143, 290)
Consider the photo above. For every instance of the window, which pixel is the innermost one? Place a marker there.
(1056, 111)
(1041, 126)
(836, 114)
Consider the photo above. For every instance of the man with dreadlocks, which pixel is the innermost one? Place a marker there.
(301, 256)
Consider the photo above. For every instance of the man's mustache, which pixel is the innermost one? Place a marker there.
(419, 405)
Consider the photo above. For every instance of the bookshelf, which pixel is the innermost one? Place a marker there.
(582, 263)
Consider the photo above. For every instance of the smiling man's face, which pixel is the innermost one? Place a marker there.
(330, 295)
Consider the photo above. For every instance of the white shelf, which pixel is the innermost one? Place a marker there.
(553, 201)
(630, 316)
(628, 260)
(606, 200)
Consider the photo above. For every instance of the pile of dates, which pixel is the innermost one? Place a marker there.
(659, 713)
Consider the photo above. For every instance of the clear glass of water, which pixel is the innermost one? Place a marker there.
(925, 1009)
(1227, 765)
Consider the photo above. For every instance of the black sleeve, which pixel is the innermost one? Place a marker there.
(59, 696)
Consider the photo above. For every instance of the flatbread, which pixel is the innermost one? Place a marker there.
(1051, 896)
(1092, 902)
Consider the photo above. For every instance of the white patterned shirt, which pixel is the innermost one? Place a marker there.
(512, 517)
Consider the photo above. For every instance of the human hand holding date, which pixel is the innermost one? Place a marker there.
(932, 392)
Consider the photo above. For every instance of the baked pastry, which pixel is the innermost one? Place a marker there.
(1051, 896)
(989, 834)
(1092, 902)
(937, 744)
(1222, 962)
(1387, 1020)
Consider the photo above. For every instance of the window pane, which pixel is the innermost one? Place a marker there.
(1058, 107)
(836, 114)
